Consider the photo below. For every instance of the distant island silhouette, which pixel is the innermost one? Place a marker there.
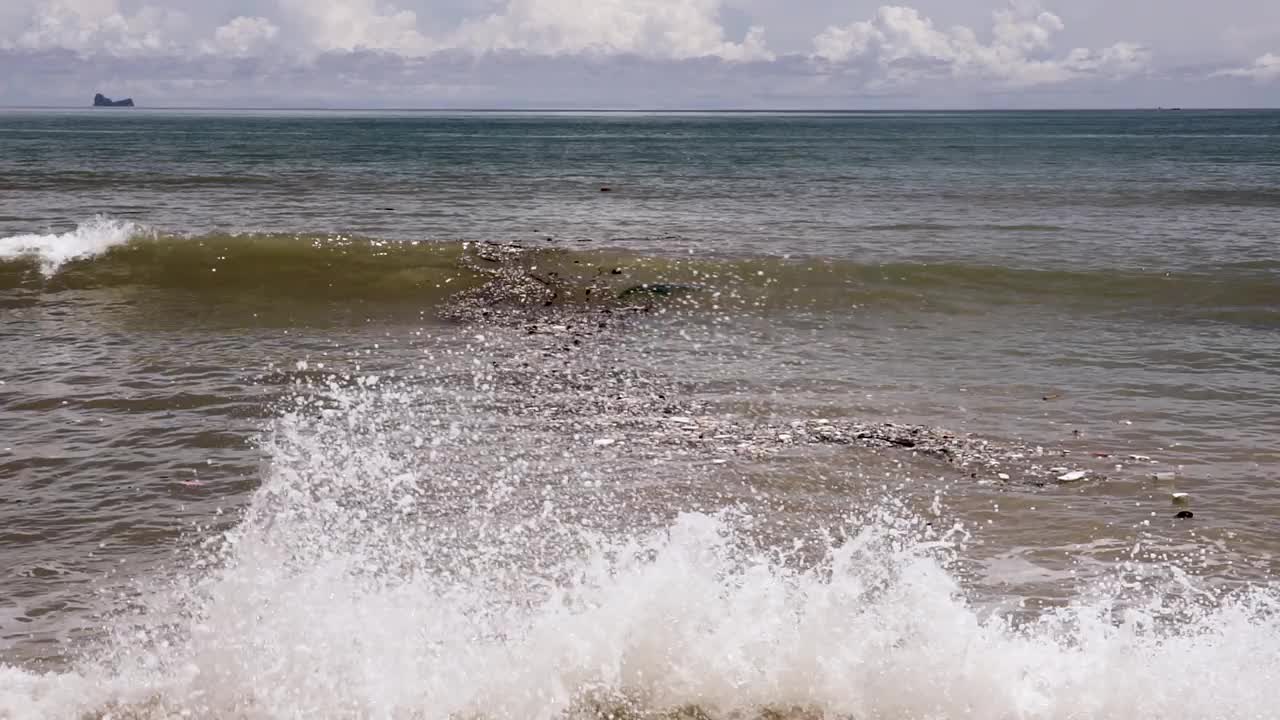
(101, 100)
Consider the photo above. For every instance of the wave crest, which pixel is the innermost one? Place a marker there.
(52, 251)
(311, 267)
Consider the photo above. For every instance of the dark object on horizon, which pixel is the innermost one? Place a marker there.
(1185, 515)
(606, 189)
(101, 100)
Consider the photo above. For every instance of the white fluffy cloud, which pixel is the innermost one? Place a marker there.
(96, 26)
(975, 53)
(243, 37)
(667, 29)
(652, 28)
(907, 46)
(347, 25)
(1263, 69)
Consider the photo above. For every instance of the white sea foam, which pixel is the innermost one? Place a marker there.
(366, 582)
(89, 239)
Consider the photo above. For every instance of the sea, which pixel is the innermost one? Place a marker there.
(679, 416)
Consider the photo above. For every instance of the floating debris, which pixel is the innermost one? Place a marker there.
(658, 289)
(1181, 498)
(1185, 515)
(647, 414)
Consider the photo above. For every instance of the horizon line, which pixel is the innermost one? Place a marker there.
(726, 110)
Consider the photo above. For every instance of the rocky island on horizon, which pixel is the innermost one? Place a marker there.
(100, 100)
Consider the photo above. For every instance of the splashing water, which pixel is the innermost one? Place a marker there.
(89, 239)
(397, 563)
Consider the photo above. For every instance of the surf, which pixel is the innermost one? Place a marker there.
(50, 252)
(399, 561)
(324, 267)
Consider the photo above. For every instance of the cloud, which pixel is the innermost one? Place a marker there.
(242, 37)
(667, 29)
(906, 47)
(98, 26)
(1264, 69)
(605, 53)
(450, 78)
(652, 28)
(1122, 59)
(517, 79)
(352, 25)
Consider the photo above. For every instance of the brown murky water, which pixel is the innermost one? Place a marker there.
(134, 416)
(270, 475)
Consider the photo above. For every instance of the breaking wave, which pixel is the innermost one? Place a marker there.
(400, 562)
(49, 253)
(109, 253)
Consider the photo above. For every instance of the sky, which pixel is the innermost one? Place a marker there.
(650, 54)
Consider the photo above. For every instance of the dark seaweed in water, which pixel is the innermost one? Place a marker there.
(658, 289)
